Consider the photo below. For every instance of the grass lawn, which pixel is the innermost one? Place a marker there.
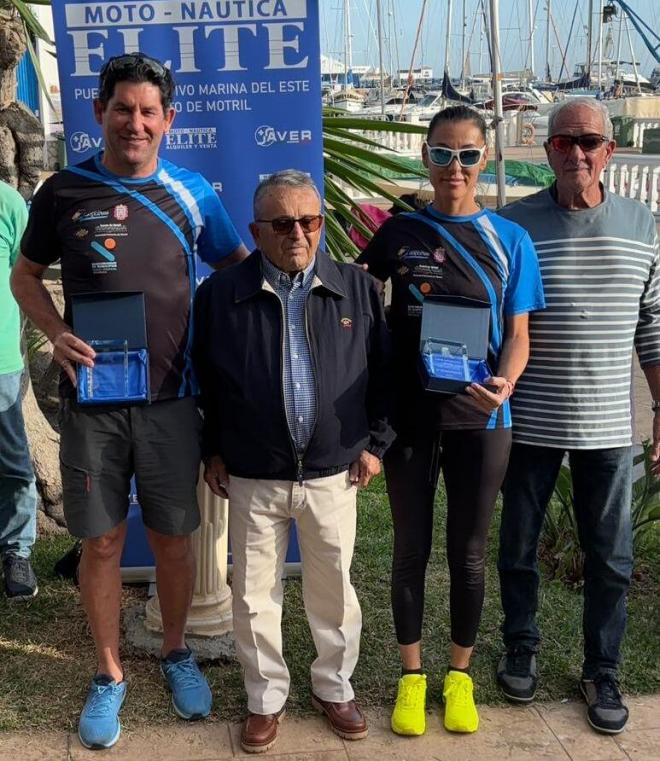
(46, 658)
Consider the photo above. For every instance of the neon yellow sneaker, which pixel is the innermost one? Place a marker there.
(409, 715)
(460, 711)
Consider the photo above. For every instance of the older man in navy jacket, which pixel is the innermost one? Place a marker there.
(292, 358)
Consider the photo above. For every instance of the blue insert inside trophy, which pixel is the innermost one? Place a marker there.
(113, 324)
(454, 343)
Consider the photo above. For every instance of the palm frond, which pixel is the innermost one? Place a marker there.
(30, 20)
(355, 163)
(37, 67)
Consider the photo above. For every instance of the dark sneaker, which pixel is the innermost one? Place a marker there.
(516, 674)
(605, 709)
(20, 581)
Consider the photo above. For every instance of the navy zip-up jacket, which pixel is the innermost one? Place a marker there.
(237, 353)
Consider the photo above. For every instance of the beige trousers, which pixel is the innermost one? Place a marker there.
(325, 513)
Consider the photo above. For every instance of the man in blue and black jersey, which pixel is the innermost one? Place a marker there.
(126, 220)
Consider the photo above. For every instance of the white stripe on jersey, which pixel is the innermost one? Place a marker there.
(186, 196)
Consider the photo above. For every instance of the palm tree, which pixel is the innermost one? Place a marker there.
(21, 134)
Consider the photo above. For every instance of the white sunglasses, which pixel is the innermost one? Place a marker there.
(466, 157)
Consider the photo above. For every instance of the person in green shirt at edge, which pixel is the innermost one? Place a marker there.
(18, 495)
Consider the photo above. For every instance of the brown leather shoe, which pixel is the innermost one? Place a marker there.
(259, 732)
(346, 719)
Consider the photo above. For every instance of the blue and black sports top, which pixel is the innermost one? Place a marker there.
(479, 256)
(113, 233)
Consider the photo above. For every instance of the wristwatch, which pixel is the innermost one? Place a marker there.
(655, 404)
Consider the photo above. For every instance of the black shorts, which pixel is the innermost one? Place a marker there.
(101, 448)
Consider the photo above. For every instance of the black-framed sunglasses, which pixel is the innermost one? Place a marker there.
(130, 60)
(466, 157)
(284, 225)
(587, 143)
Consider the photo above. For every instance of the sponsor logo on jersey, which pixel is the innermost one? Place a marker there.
(439, 255)
(412, 254)
(102, 268)
(110, 229)
(82, 215)
(110, 262)
(103, 251)
(81, 232)
(120, 212)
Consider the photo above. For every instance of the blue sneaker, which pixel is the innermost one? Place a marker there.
(191, 696)
(99, 725)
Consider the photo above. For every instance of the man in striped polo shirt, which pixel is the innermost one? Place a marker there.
(598, 254)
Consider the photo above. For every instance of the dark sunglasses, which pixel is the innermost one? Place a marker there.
(587, 143)
(466, 157)
(131, 60)
(284, 225)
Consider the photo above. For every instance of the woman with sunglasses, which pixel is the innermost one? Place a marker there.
(452, 247)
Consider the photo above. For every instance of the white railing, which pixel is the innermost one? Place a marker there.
(639, 128)
(407, 143)
(635, 180)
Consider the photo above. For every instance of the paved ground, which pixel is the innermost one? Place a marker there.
(546, 732)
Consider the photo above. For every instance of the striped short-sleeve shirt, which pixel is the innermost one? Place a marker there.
(601, 278)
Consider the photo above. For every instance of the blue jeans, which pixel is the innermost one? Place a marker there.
(602, 492)
(18, 494)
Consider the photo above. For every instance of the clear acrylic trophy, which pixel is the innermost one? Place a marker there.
(446, 359)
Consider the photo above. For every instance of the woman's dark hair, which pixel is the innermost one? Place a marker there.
(138, 68)
(458, 114)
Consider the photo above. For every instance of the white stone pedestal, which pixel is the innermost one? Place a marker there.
(210, 612)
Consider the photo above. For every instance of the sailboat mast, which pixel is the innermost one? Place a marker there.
(348, 52)
(449, 7)
(463, 48)
(547, 42)
(530, 14)
(346, 11)
(380, 56)
(497, 98)
(618, 48)
(349, 41)
(600, 45)
(396, 39)
(590, 28)
(412, 58)
(484, 32)
(632, 58)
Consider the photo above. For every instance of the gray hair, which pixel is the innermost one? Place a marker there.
(291, 178)
(584, 102)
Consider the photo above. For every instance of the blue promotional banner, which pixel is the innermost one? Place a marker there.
(248, 84)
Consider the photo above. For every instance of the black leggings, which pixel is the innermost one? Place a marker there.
(473, 464)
